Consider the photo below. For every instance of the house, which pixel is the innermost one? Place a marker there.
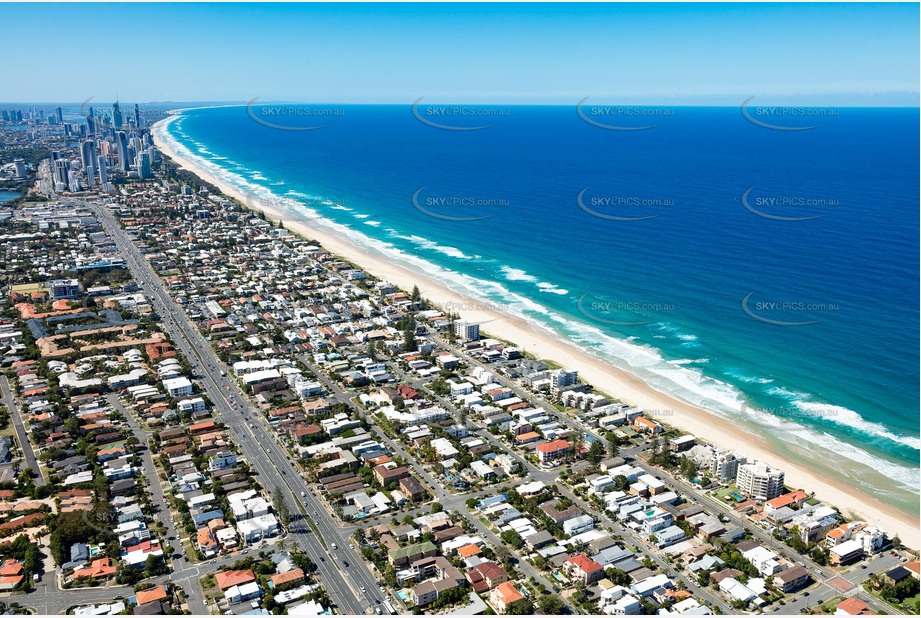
(853, 607)
(558, 515)
(412, 489)
(892, 576)
(626, 605)
(486, 576)
(386, 475)
(228, 579)
(583, 569)
(578, 525)
(550, 453)
(402, 556)
(11, 575)
(792, 500)
(642, 424)
(791, 580)
(207, 544)
(103, 567)
(244, 592)
(846, 553)
(157, 593)
(294, 576)
(503, 596)
(449, 578)
(736, 590)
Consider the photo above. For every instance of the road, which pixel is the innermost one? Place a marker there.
(342, 582)
(162, 514)
(28, 454)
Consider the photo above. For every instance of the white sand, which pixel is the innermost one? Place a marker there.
(616, 382)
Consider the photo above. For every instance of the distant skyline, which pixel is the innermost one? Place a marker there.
(655, 54)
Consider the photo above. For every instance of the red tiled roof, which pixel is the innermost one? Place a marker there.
(854, 607)
(552, 447)
(228, 579)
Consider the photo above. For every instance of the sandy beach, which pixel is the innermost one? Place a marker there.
(620, 384)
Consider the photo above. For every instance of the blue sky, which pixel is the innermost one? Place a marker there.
(681, 54)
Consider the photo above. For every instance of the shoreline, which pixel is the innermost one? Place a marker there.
(603, 376)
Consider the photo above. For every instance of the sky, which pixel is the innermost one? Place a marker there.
(678, 54)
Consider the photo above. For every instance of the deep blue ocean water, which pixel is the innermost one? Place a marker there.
(638, 246)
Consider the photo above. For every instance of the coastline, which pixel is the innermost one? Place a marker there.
(618, 383)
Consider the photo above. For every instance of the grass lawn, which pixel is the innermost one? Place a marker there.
(722, 494)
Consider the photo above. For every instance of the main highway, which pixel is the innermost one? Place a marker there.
(342, 571)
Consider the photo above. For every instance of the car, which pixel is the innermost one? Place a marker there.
(303, 494)
(334, 546)
(345, 563)
(353, 547)
(363, 589)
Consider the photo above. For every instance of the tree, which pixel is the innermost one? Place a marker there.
(819, 555)
(550, 605)
(613, 444)
(512, 538)
(281, 507)
(595, 452)
(409, 338)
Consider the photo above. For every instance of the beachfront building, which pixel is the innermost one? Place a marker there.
(562, 379)
(721, 464)
(760, 481)
(467, 331)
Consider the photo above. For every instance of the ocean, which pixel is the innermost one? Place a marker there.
(768, 275)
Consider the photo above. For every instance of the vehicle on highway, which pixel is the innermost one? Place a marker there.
(303, 494)
(353, 547)
(334, 546)
(363, 589)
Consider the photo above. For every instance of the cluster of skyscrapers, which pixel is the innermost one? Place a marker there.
(111, 143)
